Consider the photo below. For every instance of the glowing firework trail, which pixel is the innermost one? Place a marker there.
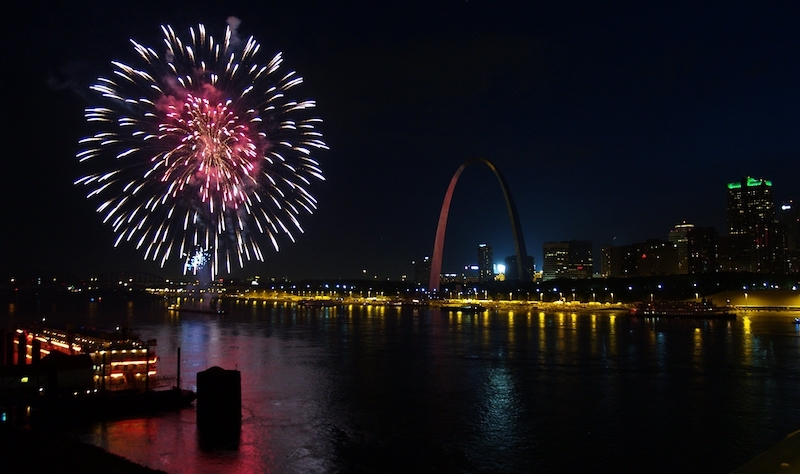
(202, 147)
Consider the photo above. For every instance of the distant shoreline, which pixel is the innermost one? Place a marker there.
(527, 306)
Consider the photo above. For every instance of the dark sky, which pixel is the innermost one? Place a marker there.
(610, 123)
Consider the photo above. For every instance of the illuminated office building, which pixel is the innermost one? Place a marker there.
(485, 263)
(696, 249)
(570, 259)
(750, 206)
(789, 219)
(754, 241)
(679, 236)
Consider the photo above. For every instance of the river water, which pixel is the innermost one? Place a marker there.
(382, 389)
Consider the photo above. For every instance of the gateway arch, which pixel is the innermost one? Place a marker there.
(438, 246)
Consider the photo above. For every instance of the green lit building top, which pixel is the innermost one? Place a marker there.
(749, 182)
(751, 206)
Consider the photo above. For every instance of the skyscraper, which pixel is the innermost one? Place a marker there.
(789, 219)
(696, 249)
(752, 242)
(571, 259)
(485, 263)
(750, 206)
(679, 236)
(556, 255)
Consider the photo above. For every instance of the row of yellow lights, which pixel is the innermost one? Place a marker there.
(75, 347)
(117, 375)
(78, 349)
(135, 362)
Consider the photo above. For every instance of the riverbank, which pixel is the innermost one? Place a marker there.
(30, 452)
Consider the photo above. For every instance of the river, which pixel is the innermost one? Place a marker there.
(384, 389)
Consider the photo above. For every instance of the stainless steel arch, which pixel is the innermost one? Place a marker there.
(438, 246)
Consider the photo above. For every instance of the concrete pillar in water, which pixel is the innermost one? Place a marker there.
(219, 396)
(22, 349)
(219, 407)
(36, 351)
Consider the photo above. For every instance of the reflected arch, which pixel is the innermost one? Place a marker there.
(441, 228)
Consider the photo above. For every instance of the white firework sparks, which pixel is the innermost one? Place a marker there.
(202, 147)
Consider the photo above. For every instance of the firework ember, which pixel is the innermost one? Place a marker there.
(196, 260)
(202, 146)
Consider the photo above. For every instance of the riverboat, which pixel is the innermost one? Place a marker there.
(185, 309)
(466, 308)
(415, 303)
(120, 360)
(682, 309)
(317, 303)
(85, 374)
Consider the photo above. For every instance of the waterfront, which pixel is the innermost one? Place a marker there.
(385, 389)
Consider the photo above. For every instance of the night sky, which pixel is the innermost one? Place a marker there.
(610, 123)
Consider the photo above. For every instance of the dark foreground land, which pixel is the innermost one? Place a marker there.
(29, 452)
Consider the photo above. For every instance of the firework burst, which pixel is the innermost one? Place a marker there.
(202, 146)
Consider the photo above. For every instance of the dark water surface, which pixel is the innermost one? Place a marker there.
(374, 389)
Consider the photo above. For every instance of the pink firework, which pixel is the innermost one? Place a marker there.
(202, 146)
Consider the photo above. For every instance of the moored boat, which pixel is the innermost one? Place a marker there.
(120, 360)
(196, 310)
(682, 309)
(467, 308)
(84, 373)
(321, 303)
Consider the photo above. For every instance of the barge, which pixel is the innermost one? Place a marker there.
(465, 308)
(682, 309)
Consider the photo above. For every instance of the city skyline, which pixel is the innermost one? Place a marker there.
(610, 125)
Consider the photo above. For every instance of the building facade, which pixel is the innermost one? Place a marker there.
(696, 249)
(789, 220)
(422, 271)
(650, 258)
(485, 263)
(512, 269)
(570, 259)
(755, 241)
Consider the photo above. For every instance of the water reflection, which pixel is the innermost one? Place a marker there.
(372, 389)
